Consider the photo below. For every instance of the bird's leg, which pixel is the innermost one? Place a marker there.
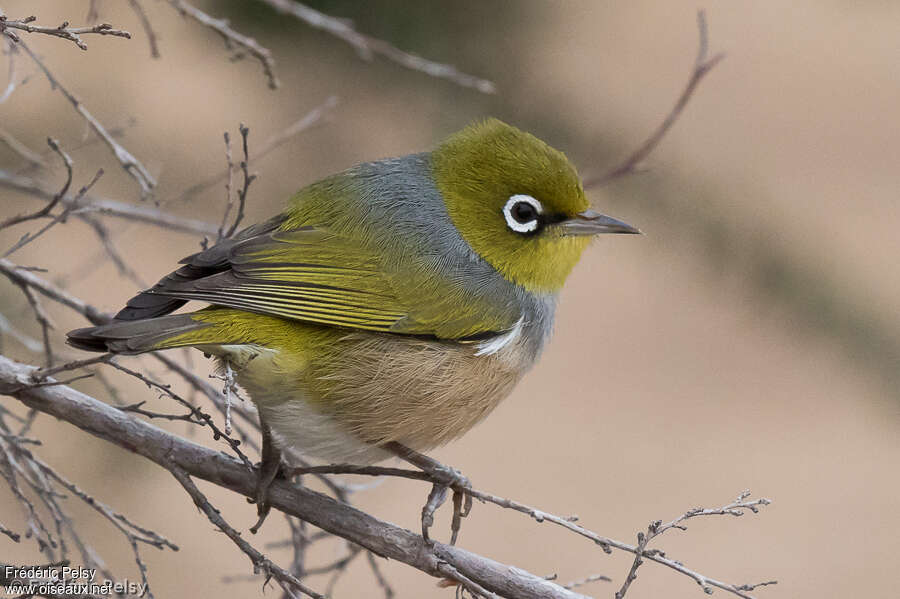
(268, 470)
(444, 478)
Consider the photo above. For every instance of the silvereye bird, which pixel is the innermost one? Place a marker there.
(391, 305)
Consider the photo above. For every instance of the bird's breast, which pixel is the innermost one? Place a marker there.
(352, 391)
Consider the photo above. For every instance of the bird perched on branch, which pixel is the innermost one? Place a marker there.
(390, 307)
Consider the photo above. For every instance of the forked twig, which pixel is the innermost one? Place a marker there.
(232, 38)
(64, 31)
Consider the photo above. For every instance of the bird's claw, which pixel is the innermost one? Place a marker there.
(269, 467)
(446, 478)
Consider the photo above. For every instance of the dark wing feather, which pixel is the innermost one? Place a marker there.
(306, 274)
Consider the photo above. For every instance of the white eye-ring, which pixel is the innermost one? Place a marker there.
(521, 212)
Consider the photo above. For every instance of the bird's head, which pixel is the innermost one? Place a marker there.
(518, 202)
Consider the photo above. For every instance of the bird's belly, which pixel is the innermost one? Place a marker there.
(341, 400)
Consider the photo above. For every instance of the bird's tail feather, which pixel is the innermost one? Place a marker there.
(138, 336)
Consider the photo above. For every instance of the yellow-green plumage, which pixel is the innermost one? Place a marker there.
(376, 386)
(495, 160)
(400, 300)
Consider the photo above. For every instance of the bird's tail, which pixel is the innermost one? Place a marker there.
(139, 336)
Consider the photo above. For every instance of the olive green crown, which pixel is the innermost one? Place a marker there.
(479, 168)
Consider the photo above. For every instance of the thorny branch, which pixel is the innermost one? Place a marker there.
(703, 64)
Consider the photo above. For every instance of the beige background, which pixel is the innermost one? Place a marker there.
(748, 340)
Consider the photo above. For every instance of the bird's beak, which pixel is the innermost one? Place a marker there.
(594, 223)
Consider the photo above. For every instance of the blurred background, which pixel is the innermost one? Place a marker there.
(750, 339)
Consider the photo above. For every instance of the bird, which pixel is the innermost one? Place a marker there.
(388, 308)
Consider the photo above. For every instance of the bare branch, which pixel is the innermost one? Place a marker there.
(367, 46)
(45, 211)
(260, 562)
(569, 523)
(142, 214)
(73, 34)
(138, 9)
(9, 48)
(307, 121)
(132, 532)
(229, 196)
(587, 580)
(23, 277)
(62, 216)
(43, 319)
(131, 164)
(702, 65)
(29, 155)
(105, 237)
(232, 38)
(170, 451)
(248, 179)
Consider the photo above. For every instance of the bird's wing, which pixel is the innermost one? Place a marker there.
(308, 274)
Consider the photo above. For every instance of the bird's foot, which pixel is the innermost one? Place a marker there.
(447, 479)
(444, 479)
(269, 467)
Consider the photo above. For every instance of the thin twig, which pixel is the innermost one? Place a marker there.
(43, 319)
(142, 214)
(260, 562)
(131, 164)
(138, 9)
(587, 580)
(248, 179)
(70, 208)
(63, 31)
(45, 211)
(232, 38)
(312, 118)
(229, 196)
(702, 66)
(9, 48)
(367, 46)
(27, 154)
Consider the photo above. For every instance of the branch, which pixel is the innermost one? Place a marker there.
(260, 562)
(405, 546)
(131, 164)
(54, 200)
(307, 121)
(232, 38)
(242, 194)
(143, 214)
(367, 46)
(63, 31)
(138, 9)
(45, 211)
(702, 66)
(171, 451)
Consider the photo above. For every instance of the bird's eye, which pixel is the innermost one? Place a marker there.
(521, 212)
